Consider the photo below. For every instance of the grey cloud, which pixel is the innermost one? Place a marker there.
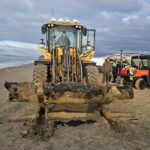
(117, 28)
(133, 35)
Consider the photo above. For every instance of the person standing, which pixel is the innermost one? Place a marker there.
(114, 71)
(107, 70)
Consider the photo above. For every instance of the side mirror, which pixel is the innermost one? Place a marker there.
(41, 43)
(43, 29)
(84, 31)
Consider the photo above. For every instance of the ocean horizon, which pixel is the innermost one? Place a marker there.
(7, 61)
(13, 54)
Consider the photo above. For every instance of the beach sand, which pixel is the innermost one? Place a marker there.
(132, 134)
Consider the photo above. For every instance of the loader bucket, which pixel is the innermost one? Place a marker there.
(65, 101)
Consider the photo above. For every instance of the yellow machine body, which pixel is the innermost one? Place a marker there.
(66, 83)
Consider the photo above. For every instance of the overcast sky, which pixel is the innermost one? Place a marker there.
(120, 24)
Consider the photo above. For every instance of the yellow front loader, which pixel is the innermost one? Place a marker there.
(66, 83)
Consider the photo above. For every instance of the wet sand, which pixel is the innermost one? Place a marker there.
(132, 133)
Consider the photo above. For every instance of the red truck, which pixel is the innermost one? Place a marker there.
(138, 74)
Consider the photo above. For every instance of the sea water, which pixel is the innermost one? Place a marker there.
(13, 61)
(13, 56)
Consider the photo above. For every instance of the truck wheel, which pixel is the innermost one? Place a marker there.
(122, 81)
(129, 91)
(140, 84)
(91, 74)
(39, 73)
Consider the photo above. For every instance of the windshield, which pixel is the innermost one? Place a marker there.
(139, 63)
(88, 40)
(63, 36)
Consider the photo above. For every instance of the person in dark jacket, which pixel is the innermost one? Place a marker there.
(63, 40)
(114, 71)
(107, 70)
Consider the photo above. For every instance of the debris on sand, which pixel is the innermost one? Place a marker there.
(38, 130)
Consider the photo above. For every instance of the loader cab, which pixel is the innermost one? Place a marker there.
(61, 36)
(77, 36)
(69, 48)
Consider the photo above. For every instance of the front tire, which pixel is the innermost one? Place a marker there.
(129, 91)
(122, 81)
(91, 75)
(39, 73)
(140, 84)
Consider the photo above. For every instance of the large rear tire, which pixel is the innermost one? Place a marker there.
(140, 84)
(39, 73)
(91, 74)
